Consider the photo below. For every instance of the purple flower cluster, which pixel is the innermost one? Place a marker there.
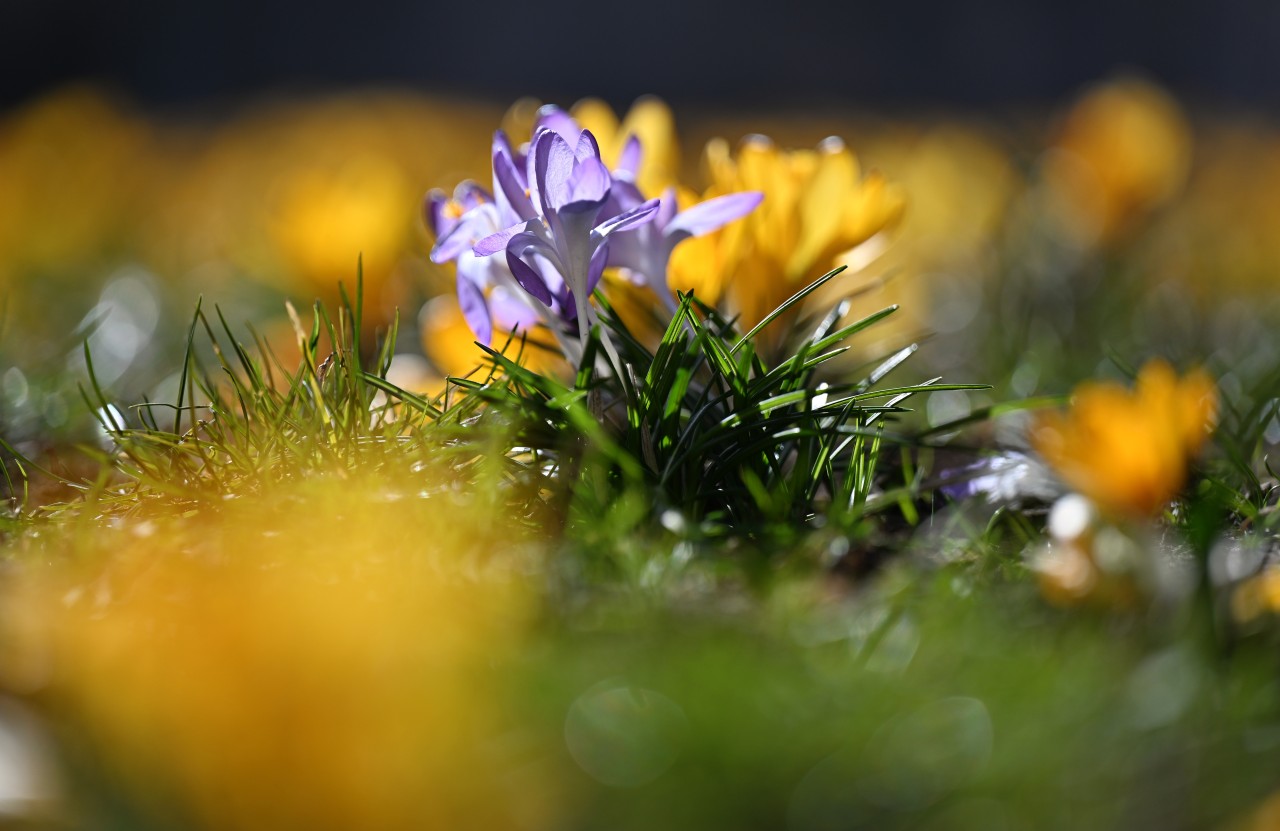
(536, 247)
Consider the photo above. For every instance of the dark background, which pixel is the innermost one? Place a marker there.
(969, 53)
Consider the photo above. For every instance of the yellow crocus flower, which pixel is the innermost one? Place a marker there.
(817, 206)
(1128, 450)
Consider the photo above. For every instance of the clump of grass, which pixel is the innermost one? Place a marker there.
(703, 425)
(245, 421)
(700, 430)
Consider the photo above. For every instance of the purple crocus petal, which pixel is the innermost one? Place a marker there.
(507, 181)
(454, 243)
(629, 159)
(547, 268)
(536, 169)
(555, 169)
(711, 215)
(633, 218)
(630, 251)
(469, 195)
(494, 243)
(568, 310)
(502, 144)
(461, 233)
(551, 117)
(433, 212)
(528, 277)
(483, 272)
(444, 213)
(586, 147)
(475, 309)
(598, 261)
(588, 186)
(667, 209)
(625, 195)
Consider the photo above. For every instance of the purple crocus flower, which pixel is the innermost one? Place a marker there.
(487, 292)
(560, 217)
(558, 249)
(444, 212)
(458, 223)
(644, 252)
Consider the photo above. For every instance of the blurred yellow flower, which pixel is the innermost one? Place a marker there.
(293, 193)
(1221, 239)
(1124, 149)
(325, 660)
(322, 220)
(73, 168)
(1086, 560)
(1128, 450)
(1264, 817)
(1257, 596)
(817, 206)
(962, 184)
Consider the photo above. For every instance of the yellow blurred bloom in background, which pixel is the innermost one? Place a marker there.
(1124, 150)
(1128, 450)
(962, 184)
(321, 217)
(817, 206)
(1257, 596)
(70, 165)
(1221, 240)
(73, 180)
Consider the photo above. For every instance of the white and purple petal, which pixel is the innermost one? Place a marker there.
(536, 170)
(433, 211)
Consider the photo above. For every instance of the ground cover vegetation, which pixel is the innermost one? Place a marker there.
(922, 487)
